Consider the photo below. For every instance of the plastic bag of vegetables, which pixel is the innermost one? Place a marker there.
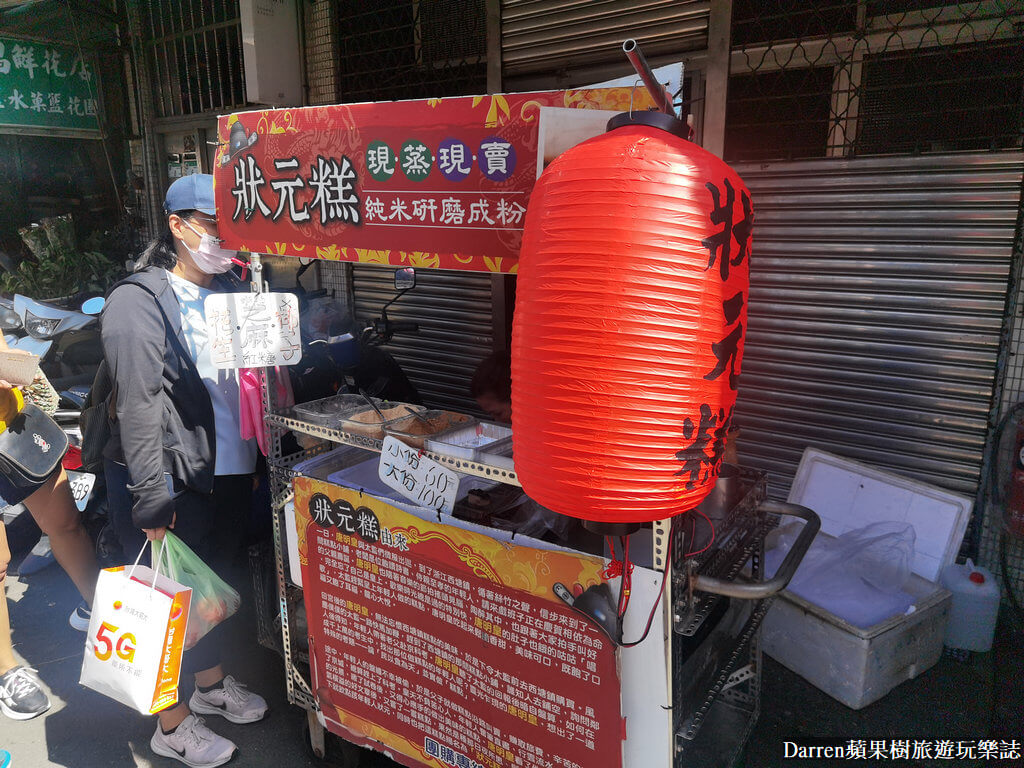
(213, 599)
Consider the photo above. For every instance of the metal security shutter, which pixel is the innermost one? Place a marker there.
(876, 304)
(545, 36)
(453, 310)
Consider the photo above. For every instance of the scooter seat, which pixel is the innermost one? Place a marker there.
(75, 395)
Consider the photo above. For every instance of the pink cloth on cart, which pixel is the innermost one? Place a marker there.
(250, 397)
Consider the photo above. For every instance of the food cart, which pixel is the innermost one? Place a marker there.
(433, 638)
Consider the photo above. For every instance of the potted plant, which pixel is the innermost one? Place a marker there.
(56, 267)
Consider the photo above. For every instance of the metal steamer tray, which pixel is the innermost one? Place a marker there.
(720, 597)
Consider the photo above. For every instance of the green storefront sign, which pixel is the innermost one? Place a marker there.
(46, 89)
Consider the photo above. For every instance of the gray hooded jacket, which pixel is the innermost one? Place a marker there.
(164, 418)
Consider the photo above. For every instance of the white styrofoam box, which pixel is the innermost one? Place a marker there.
(847, 494)
(853, 665)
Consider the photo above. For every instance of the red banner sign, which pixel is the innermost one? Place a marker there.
(448, 647)
(436, 183)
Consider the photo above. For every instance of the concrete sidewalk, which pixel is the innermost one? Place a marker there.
(979, 699)
(84, 729)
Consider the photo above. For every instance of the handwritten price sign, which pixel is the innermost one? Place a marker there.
(421, 480)
(253, 330)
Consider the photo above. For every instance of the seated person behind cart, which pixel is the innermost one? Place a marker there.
(491, 387)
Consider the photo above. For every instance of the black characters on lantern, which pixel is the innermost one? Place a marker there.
(704, 454)
(333, 182)
(727, 350)
(742, 230)
(708, 446)
(719, 245)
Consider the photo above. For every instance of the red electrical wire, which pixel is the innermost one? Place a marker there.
(654, 608)
(625, 569)
(614, 567)
(708, 545)
(617, 568)
(627, 578)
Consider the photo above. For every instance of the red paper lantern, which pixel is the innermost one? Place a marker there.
(628, 332)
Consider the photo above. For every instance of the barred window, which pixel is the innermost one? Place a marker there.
(862, 77)
(194, 52)
(757, 21)
(942, 100)
(411, 49)
(778, 115)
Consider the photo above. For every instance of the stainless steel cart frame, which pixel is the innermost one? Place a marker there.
(715, 602)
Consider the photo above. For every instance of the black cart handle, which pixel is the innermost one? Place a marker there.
(785, 572)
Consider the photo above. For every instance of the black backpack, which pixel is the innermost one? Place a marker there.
(95, 419)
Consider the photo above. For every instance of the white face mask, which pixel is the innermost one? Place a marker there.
(209, 257)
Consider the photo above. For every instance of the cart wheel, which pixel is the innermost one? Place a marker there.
(316, 733)
(337, 752)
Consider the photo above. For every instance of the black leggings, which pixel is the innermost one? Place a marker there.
(214, 527)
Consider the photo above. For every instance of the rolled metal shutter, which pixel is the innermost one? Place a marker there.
(544, 36)
(453, 310)
(877, 296)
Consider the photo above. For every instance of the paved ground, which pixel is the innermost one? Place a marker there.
(979, 699)
(84, 729)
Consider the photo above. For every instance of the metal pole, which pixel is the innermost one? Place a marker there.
(151, 172)
(658, 91)
(493, 32)
(716, 84)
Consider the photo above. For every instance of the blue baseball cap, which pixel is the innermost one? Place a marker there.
(191, 193)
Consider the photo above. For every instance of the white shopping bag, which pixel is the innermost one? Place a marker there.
(136, 637)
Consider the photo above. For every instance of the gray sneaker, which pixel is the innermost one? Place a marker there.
(233, 701)
(193, 744)
(21, 698)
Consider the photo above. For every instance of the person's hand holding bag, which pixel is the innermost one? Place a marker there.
(157, 534)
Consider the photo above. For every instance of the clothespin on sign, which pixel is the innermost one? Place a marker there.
(257, 273)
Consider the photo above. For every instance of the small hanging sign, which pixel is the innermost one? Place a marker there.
(420, 479)
(253, 330)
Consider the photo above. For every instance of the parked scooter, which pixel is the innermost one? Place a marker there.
(68, 345)
(355, 360)
(66, 340)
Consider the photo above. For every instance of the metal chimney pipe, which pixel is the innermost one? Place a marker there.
(658, 92)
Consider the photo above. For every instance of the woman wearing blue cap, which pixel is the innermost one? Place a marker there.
(175, 459)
